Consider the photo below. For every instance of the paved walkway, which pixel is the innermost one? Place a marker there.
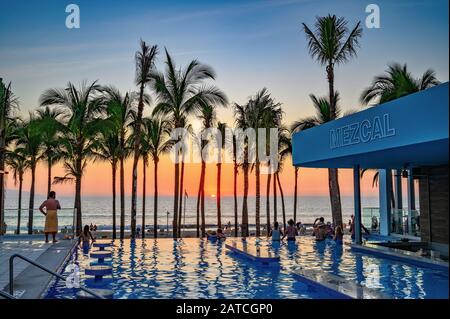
(34, 248)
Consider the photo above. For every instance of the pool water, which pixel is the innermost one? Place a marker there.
(196, 268)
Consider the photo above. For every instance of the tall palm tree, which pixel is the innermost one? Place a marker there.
(396, 83)
(287, 151)
(30, 140)
(322, 106)
(120, 109)
(180, 93)
(242, 122)
(8, 102)
(284, 149)
(145, 64)
(84, 110)
(18, 163)
(156, 136)
(221, 128)
(207, 114)
(331, 44)
(50, 120)
(263, 112)
(108, 149)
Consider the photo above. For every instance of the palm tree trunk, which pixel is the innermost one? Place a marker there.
(295, 194)
(49, 176)
(202, 198)
(19, 210)
(137, 142)
(155, 201)
(122, 199)
(114, 170)
(244, 231)
(236, 225)
(330, 75)
(275, 217)
(198, 206)
(283, 208)
(31, 202)
(335, 196)
(144, 193)
(268, 203)
(78, 196)
(218, 196)
(258, 197)
(180, 209)
(175, 198)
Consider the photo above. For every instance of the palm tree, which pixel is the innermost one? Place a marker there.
(322, 106)
(207, 114)
(84, 110)
(396, 83)
(221, 128)
(120, 109)
(332, 43)
(108, 149)
(30, 140)
(156, 131)
(19, 164)
(50, 129)
(284, 149)
(242, 122)
(287, 151)
(180, 93)
(263, 112)
(145, 64)
(8, 102)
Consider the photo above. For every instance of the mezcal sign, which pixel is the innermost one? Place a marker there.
(362, 132)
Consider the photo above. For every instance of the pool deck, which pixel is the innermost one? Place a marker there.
(400, 255)
(31, 282)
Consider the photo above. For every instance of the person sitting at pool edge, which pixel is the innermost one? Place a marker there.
(84, 239)
(276, 232)
(291, 231)
(220, 234)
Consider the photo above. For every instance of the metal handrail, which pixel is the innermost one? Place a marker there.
(11, 274)
(6, 295)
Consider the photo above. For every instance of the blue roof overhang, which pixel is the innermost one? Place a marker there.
(408, 132)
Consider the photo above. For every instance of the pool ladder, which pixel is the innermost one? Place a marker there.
(51, 272)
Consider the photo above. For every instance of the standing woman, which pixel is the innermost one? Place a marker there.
(51, 218)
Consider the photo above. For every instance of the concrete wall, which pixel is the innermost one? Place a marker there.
(434, 209)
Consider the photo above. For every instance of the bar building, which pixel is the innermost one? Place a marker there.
(405, 140)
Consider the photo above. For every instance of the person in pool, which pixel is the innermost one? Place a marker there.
(220, 234)
(85, 238)
(291, 231)
(319, 229)
(338, 234)
(276, 232)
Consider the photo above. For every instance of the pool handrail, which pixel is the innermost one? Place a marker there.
(6, 295)
(51, 272)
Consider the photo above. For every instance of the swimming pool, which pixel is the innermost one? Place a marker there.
(196, 268)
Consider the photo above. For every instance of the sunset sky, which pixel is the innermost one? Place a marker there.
(250, 44)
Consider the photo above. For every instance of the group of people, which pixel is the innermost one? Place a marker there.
(322, 231)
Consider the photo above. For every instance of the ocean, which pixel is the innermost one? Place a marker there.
(98, 210)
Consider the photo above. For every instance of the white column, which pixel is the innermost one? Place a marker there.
(357, 204)
(385, 184)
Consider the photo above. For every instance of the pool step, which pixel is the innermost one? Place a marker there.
(101, 245)
(101, 254)
(338, 285)
(98, 271)
(106, 293)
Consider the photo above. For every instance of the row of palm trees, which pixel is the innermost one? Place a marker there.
(75, 125)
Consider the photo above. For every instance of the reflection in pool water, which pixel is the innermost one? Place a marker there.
(195, 268)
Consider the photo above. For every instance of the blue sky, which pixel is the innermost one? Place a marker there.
(250, 44)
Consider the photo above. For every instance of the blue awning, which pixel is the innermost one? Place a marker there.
(409, 132)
